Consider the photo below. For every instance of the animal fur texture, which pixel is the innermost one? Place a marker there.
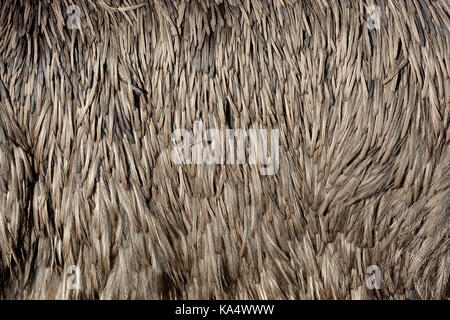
(86, 178)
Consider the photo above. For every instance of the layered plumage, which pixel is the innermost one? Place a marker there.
(86, 178)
